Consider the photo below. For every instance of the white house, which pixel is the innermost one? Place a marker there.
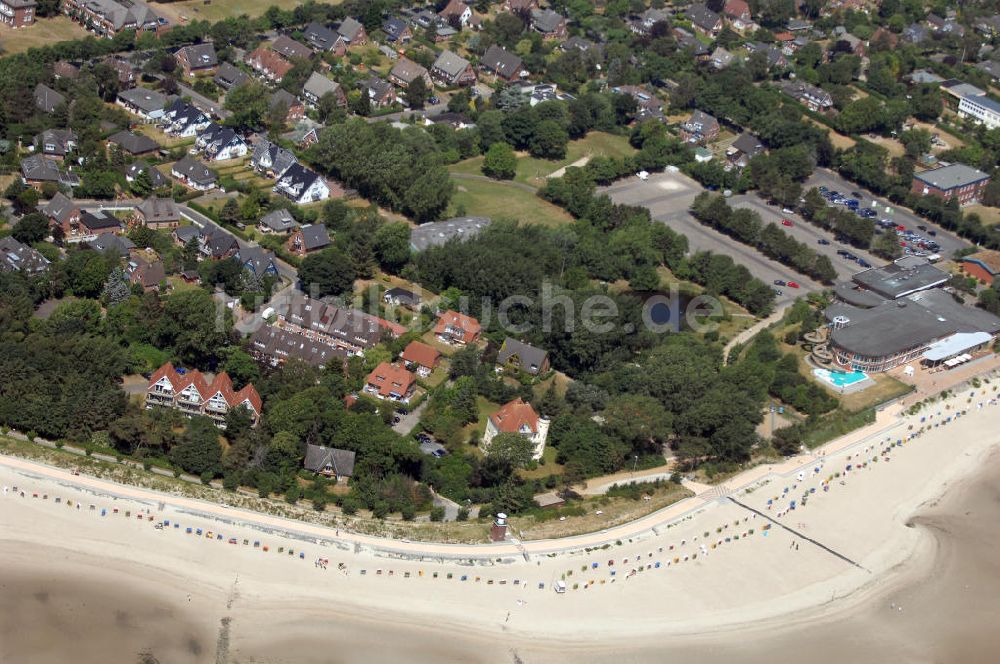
(220, 143)
(982, 110)
(302, 185)
(518, 417)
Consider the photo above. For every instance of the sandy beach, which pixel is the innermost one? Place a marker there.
(892, 555)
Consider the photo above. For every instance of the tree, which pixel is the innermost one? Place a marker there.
(141, 185)
(249, 106)
(199, 451)
(242, 368)
(787, 440)
(511, 450)
(417, 93)
(31, 228)
(230, 212)
(428, 197)
(116, 288)
(330, 272)
(392, 246)
(500, 162)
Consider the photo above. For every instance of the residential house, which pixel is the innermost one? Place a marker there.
(421, 358)
(47, 100)
(273, 346)
(229, 76)
(738, 14)
(456, 11)
(293, 109)
(402, 297)
(455, 328)
(183, 120)
(302, 185)
(107, 18)
(183, 235)
(381, 92)
(116, 245)
(37, 169)
(146, 274)
(649, 105)
(721, 58)
(406, 71)
(191, 393)
(350, 329)
(65, 69)
(291, 49)
(156, 178)
(451, 70)
(277, 221)
(55, 143)
(397, 30)
(125, 71)
(453, 120)
(220, 143)
(158, 213)
(580, 44)
(197, 59)
(964, 183)
(352, 32)
(194, 174)
(97, 222)
(643, 24)
(65, 214)
(147, 104)
(551, 25)
(981, 110)
(700, 128)
(18, 257)
(991, 68)
(257, 260)
(271, 159)
(502, 63)
(948, 26)
(518, 417)
(520, 5)
(308, 239)
(989, 26)
(391, 381)
(845, 42)
(814, 98)
(216, 243)
(133, 144)
(704, 20)
(688, 42)
(916, 33)
(744, 148)
(17, 13)
(773, 56)
(323, 38)
(523, 357)
(268, 64)
(318, 86)
(329, 461)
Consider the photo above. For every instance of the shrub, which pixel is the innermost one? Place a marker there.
(437, 514)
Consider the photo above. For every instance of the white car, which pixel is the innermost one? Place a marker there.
(643, 175)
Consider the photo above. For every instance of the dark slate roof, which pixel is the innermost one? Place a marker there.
(501, 61)
(47, 99)
(394, 28)
(279, 220)
(546, 20)
(318, 458)
(702, 16)
(319, 85)
(38, 168)
(144, 99)
(283, 97)
(117, 244)
(315, 236)
(200, 56)
(320, 36)
(134, 143)
(527, 356)
(349, 28)
(404, 296)
(157, 178)
(185, 234)
(230, 76)
(194, 170)
(60, 208)
(281, 344)
(57, 138)
(159, 210)
(290, 48)
(96, 219)
(15, 256)
(257, 259)
(749, 144)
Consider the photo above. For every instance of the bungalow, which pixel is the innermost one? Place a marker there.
(502, 63)
(183, 120)
(704, 20)
(221, 143)
(318, 86)
(63, 213)
(453, 70)
(18, 257)
(196, 175)
(302, 185)
(36, 170)
(391, 381)
(17, 13)
(397, 30)
(380, 92)
(329, 461)
(269, 64)
(523, 357)
(291, 49)
(197, 59)
(548, 23)
(146, 274)
(352, 32)
(744, 148)
(456, 11)
(308, 239)
(158, 213)
(55, 142)
(406, 71)
(421, 358)
(156, 178)
(47, 100)
(147, 104)
(518, 417)
(323, 38)
(229, 76)
(401, 297)
(277, 221)
(271, 159)
(133, 144)
(192, 394)
(116, 245)
(455, 328)
(96, 222)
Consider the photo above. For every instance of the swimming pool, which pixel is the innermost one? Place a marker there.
(840, 379)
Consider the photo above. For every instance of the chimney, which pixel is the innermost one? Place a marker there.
(499, 530)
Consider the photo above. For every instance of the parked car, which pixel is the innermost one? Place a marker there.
(823, 240)
(778, 292)
(792, 284)
(863, 263)
(856, 194)
(787, 222)
(932, 233)
(779, 282)
(921, 227)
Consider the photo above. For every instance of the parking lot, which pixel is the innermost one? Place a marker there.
(668, 196)
(949, 242)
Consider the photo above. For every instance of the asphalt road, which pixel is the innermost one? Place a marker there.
(949, 242)
(668, 196)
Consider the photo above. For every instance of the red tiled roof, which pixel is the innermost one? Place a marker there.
(784, 36)
(990, 258)
(395, 329)
(421, 354)
(736, 8)
(470, 326)
(391, 379)
(266, 59)
(206, 390)
(515, 415)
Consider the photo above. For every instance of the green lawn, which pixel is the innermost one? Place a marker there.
(533, 171)
(194, 10)
(486, 408)
(496, 200)
(44, 32)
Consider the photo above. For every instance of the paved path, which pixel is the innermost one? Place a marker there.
(751, 332)
(409, 421)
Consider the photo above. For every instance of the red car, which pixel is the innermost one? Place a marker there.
(901, 228)
(792, 284)
(787, 222)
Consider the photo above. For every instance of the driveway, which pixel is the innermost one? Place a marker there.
(407, 423)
